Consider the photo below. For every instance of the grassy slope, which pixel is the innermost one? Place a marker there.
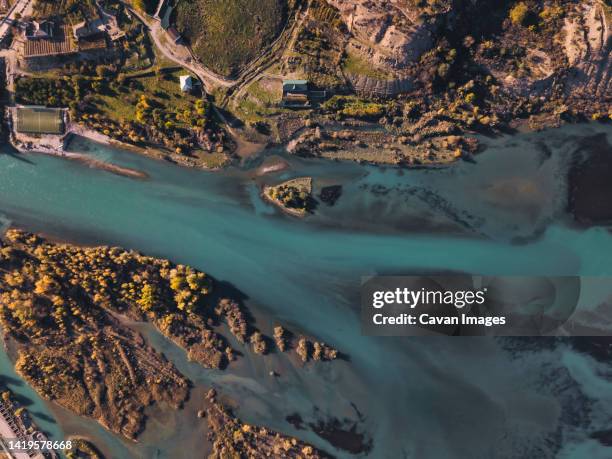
(163, 91)
(227, 34)
(357, 65)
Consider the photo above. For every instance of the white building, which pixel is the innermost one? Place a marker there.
(186, 83)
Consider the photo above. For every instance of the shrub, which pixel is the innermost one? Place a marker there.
(551, 13)
(519, 13)
(470, 98)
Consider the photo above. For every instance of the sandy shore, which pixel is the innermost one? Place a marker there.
(271, 165)
(88, 160)
(90, 134)
(59, 150)
(109, 167)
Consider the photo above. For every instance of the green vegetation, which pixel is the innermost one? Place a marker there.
(227, 34)
(354, 107)
(551, 13)
(138, 52)
(266, 96)
(323, 12)
(259, 103)
(64, 308)
(58, 303)
(127, 98)
(45, 91)
(294, 196)
(148, 6)
(83, 449)
(291, 197)
(318, 51)
(72, 10)
(519, 13)
(143, 108)
(231, 438)
(155, 100)
(357, 65)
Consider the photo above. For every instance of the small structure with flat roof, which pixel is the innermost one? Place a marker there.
(295, 94)
(186, 83)
(295, 86)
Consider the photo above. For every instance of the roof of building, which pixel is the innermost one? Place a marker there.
(292, 97)
(295, 85)
(59, 44)
(42, 29)
(106, 23)
(186, 82)
(95, 42)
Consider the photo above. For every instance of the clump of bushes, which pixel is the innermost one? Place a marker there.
(354, 107)
(292, 197)
(519, 13)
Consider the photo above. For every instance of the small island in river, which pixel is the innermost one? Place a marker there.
(292, 196)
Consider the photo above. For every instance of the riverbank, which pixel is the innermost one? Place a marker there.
(83, 447)
(213, 161)
(57, 146)
(148, 151)
(316, 270)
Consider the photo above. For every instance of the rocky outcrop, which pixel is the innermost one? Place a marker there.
(373, 87)
(540, 77)
(587, 45)
(388, 34)
(565, 54)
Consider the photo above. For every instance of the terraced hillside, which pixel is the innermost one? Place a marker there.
(227, 34)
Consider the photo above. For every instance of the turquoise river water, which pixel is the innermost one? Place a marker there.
(504, 213)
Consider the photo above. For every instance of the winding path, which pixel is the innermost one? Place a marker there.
(208, 77)
(182, 55)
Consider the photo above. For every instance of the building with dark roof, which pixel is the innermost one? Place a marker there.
(39, 30)
(295, 86)
(295, 94)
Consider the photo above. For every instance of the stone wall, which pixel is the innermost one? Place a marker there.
(46, 62)
(373, 87)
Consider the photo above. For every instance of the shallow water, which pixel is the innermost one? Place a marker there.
(426, 398)
(28, 398)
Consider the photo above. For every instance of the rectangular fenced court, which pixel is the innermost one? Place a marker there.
(39, 120)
